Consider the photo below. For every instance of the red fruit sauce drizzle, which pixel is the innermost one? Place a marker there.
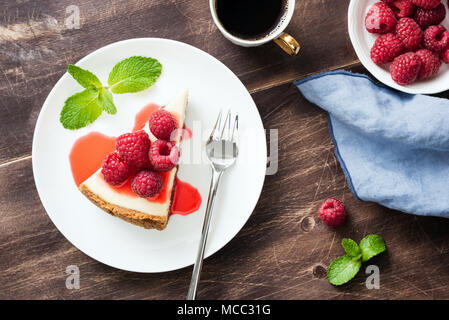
(88, 152)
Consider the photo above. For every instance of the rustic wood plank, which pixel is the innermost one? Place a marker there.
(281, 253)
(36, 46)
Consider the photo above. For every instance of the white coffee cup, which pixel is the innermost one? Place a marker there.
(284, 40)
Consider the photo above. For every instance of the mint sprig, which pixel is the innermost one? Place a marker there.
(346, 267)
(133, 74)
(343, 269)
(371, 246)
(84, 77)
(351, 248)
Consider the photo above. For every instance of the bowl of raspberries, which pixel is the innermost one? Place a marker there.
(403, 43)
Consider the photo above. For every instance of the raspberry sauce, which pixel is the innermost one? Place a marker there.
(186, 198)
(88, 152)
(87, 155)
(143, 115)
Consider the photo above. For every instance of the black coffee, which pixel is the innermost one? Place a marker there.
(250, 19)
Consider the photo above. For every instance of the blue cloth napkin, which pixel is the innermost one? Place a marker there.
(393, 147)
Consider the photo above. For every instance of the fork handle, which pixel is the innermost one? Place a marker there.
(207, 218)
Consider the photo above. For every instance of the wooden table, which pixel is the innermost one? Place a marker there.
(284, 250)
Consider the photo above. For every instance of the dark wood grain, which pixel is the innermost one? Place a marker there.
(282, 252)
(36, 47)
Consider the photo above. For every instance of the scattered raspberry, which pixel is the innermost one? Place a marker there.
(332, 212)
(389, 1)
(426, 4)
(405, 68)
(163, 155)
(162, 124)
(430, 64)
(430, 17)
(436, 38)
(380, 19)
(115, 171)
(147, 183)
(133, 148)
(409, 32)
(386, 48)
(445, 55)
(402, 8)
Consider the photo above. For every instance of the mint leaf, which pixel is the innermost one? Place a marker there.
(80, 109)
(351, 247)
(371, 246)
(134, 74)
(85, 78)
(105, 101)
(343, 269)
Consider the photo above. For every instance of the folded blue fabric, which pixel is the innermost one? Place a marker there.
(392, 146)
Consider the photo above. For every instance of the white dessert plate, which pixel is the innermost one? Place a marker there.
(212, 86)
(362, 42)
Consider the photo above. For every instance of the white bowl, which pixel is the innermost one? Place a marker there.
(362, 41)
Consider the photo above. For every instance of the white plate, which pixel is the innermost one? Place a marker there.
(117, 243)
(362, 41)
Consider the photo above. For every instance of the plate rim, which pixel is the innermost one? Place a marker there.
(373, 68)
(39, 124)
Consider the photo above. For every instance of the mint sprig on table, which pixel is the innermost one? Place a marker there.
(346, 267)
(133, 74)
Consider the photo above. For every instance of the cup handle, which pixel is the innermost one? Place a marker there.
(288, 43)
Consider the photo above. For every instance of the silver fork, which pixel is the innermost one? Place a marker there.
(222, 151)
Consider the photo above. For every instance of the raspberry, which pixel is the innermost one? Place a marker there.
(162, 124)
(436, 38)
(409, 32)
(426, 4)
(147, 183)
(430, 64)
(163, 155)
(445, 55)
(332, 212)
(405, 68)
(430, 17)
(386, 48)
(380, 19)
(115, 171)
(402, 8)
(133, 148)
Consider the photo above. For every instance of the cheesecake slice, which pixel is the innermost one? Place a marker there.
(150, 213)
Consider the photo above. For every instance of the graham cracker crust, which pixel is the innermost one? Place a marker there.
(138, 218)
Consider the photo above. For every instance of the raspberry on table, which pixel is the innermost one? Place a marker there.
(405, 68)
(402, 8)
(386, 48)
(430, 17)
(436, 38)
(409, 32)
(133, 148)
(163, 155)
(444, 55)
(430, 64)
(332, 212)
(115, 171)
(147, 183)
(426, 4)
(380, 19)
(162, 124)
